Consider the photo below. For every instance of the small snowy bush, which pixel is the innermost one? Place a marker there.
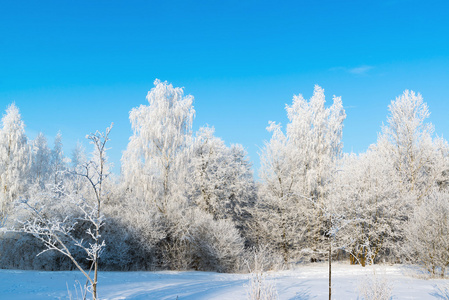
(375, 287)
(202, 243)
(263, 258)
(260, 289)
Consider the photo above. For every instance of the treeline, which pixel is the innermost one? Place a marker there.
(184, 200)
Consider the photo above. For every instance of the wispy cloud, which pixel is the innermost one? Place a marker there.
(360, 70)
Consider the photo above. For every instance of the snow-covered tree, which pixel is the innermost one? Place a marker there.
(298, 167)
(221, 180)
(281, 222)
(57, 160)
(409, 141)
(78, 159)
(428, 233)
(369, 199)
(154, 158)
(14, 159)
(78, 156)
(160, 165)
(381, 188)
(202, 243)
(40, 165)
(407, 164)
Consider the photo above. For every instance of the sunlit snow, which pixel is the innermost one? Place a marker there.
(306, 282)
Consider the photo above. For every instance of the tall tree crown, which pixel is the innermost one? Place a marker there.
(14, 157)
(161, 131)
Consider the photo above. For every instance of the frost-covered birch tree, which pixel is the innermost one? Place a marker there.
(408, 140)
(428, 233)
(220, 180)
(299, 166)
(154, 158)
(156, 167)
(280, 221)
(368, 191)
(417, 160)
(381, 188)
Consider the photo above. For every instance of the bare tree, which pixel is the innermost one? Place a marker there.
(57, 234)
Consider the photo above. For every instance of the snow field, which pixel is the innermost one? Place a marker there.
(305, 282)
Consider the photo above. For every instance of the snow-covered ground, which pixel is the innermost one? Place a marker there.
(306, 282)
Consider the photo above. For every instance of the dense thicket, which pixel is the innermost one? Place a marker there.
(186, 200)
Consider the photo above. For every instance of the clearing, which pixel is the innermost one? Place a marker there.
(305, 282)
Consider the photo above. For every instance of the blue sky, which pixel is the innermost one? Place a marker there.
(77, 66)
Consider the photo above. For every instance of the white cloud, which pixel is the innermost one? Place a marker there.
(360, 70)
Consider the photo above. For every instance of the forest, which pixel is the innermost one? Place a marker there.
(185, 200)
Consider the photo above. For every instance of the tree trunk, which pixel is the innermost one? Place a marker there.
(94, 285)
(94, 291)
(352, 259)
(362, 257)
